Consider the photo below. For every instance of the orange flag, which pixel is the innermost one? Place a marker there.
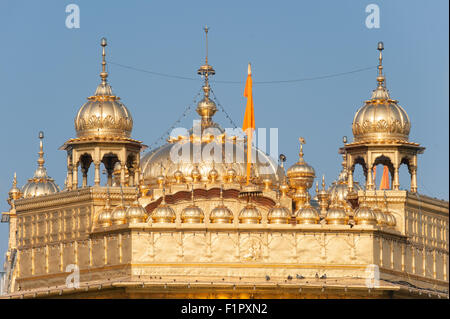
(249, 120)
(384, 184)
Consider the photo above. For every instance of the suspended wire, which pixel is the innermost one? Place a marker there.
(223, 109)
(242, 82)
(183, 115)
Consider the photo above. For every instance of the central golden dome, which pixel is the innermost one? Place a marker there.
(199, 161)
(103, 114)
(381, 118)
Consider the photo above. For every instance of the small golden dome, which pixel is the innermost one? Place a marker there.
(136, 213)
(41, 183)
(104, 218)
(231, 174)
(381, 118)
(336, 215)
(213, 175)
(192, 214)
(178, 176)
(301, 174)
(195, 174)
(380, 216)
(364, 215)
(14, 193)
(118, 215)
(390, 219)
(279, 215)
(163, 213)
(307, 215)
(221, 215)
(103, 114)
(250, 215)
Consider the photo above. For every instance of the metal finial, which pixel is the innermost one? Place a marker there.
(317, 187)
(380, 77)
(282, 158)
(206, 36)
(323, 182)
(302, 141)
(15, 180)
(41, 160)
(344, 139)
(221, 193)
(103, 74)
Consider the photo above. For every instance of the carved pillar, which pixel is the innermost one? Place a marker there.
(122, 173)
(97, 173)
(396, 184)
(69, 176)
(350, 179)
(75, 175)
(413, 172)
(84, 170)
(131, 176)
(369, 181)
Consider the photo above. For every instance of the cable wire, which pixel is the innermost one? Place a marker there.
(179, 77)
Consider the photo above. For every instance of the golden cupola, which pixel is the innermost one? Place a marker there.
(301, 177)
(279, 214)
(136, 213)
(221, 214)
(103, 114)
(364, 215)
(14, 193)
(192, 214)
(104, 218)
(41, 183)
(381, 118)
(163, 213)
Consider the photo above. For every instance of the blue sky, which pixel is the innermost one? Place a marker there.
(48, 70)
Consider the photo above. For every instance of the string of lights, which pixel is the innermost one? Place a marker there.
(179, 77)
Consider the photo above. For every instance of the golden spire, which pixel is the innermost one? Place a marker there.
(302, 141)
(206, 108)
(41, 160)
(103, 74)
(381, 93)
(206, 69)
(380, 78)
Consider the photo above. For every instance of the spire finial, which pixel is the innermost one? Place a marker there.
(221, 194)
(41, 160)
(206, 70)
(103, 74)
(302, 141)
(15, 180)
(323, 182)
(206, 37)
(163, 202)
(107, 205)
(380, 78)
